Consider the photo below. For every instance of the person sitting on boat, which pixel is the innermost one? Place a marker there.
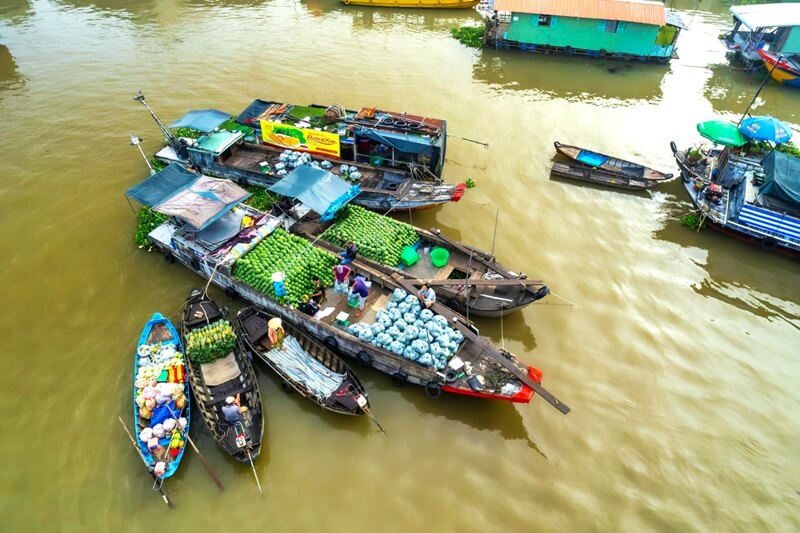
(231, 410)
(308, 307)
(341, 273)
(426, 296)
(275, 333)
(349, 253)
(359, 288)
(318, 294)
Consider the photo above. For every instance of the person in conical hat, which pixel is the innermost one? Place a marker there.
(275, 333)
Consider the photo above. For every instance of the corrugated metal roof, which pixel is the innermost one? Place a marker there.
(628, 11)
(673, 19)
(768, 15)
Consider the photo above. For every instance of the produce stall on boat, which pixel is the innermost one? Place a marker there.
(222, 377)
(594, 167)
(312, 370)
(406, 176)
(462, 276)
(273, 269)
(160, 398)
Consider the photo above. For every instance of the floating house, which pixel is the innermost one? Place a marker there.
(618, 29)
(772, 27)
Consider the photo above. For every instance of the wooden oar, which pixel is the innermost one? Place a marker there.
(147, 466)
(258, 483)
(203, 459)
(369, 413)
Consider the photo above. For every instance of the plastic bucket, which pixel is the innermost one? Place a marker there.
(439, 257)
(409, 256)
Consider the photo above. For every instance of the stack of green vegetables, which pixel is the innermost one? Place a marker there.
(292, 255)
(378, 237)
(212, 342)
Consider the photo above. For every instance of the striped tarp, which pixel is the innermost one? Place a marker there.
(780, 225)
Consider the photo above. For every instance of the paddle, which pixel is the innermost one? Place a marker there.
(147, 465)
(258, 483)
(197, 451)
(369, 413)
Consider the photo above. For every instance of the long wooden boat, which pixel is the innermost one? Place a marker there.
(604, 169)
(478, 368)
(396, 158)
(160, 397)
(744, 208)
(213, 382)
(433, 4)
(472, 282)
(784, 70)
(348, 396)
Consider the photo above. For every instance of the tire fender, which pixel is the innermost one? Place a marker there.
(399, 379)
(169, 258)
(363, 358)
(331, 343)
(451, 376)
(287, 387)
(385, 204)
(433, 389)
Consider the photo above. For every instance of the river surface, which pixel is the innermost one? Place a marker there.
(679, 357)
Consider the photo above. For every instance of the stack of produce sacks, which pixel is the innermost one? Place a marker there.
(406, 329)
(290, 159)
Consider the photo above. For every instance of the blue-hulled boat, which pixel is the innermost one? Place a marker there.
(603, 169)
(161, 397)
(754, 199)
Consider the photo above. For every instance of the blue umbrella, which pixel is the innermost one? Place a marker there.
(766, 129)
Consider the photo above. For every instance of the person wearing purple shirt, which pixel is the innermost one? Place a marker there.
(359, 287)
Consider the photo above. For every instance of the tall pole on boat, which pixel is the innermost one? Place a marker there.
(496, 217)
(171, 139)
(135, 142)
(766, 79)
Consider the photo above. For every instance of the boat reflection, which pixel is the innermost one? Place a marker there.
(10, 77)
(730, 91)
(405, 20)
(605, 83)
(737, 273)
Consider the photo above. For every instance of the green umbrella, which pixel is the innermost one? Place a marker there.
(721, 132)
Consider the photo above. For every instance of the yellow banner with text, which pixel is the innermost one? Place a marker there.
(304, 140)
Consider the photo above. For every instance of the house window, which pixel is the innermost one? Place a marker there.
(544, 20)
(611, 26)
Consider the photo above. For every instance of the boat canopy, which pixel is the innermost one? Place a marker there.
(196, 199)
(249, 117)
(781, 178)
(317, 189)
(217, 142)
(205, 120)
(410, 144)
(768, 15)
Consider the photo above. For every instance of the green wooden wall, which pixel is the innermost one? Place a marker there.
(630, 38)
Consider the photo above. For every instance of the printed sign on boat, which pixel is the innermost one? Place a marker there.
(304, 140)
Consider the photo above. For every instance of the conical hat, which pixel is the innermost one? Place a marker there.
(275, 323)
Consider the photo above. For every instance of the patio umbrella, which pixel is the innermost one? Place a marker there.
(766, 129)
(721, 132)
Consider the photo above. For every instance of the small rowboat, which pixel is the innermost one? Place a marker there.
(161, 398)
(782, 69)
(304, 365)
(604, 169)
(212, 383)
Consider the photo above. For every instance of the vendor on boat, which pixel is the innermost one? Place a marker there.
(232, 409)
(275, 333)
(341, 273)
(360, 289)
(349, 253)
(426, 296)
(318, 294)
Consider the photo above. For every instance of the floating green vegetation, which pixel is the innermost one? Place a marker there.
(261, 199)
(146, 221)
(471, 36)
(189, 133)
(692, 221)
(157, 164)
(471, 183)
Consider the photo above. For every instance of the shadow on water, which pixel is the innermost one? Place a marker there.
(572, 78)
(641, 193)
(738, 273)
(15, 11)
(410, 20)
(730, 90)
(10, 77)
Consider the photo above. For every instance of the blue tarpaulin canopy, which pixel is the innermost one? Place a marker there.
(253, 111)
(196, 199)
(782, 178)
(205, 120)
(410, 144)
(319, 190)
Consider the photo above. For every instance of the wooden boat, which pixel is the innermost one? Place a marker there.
(213, 382)
(434, 4)
(349, 397)
(603, 169)
(472, 278)
(399, 157)
(159, 358)
(477, 368)
(743, 207)
(784, 70)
